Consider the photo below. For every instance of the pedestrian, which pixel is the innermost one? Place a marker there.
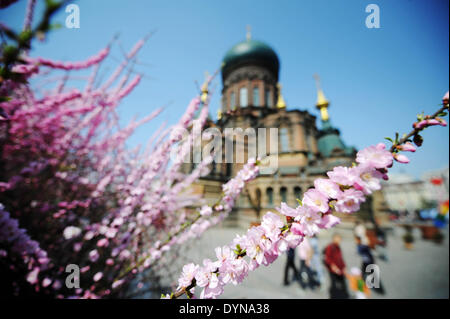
(367, 259)
(336, 268)
(316, 263)
(290, 263)
(381, 243)
(361, 232)
(306, 276)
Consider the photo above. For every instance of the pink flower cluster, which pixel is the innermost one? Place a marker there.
(69, 65)
(429, 122)
(21, 246)
(109, 208)
(208, 216)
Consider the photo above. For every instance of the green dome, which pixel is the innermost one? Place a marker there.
(329, 140)
(250, 52)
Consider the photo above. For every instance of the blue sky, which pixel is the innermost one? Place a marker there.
(377, 80)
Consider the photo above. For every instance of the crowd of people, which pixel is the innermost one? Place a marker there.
(308, 263)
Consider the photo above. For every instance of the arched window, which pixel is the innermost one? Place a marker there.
(232, 101)
(283, 194)
(258, 197)
(284, 139)
(268, 98)
(243, 97)
(269, 193)
(297, 192)
(256, 96)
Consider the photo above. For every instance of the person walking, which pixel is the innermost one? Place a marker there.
(306, 275)
(381, 243)
(336, 268)
(367, 259)
(290, 264)
(361, 232)
(316, 264)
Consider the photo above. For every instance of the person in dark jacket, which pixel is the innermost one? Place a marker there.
(367, 259)
(336, 268)
(290, 263)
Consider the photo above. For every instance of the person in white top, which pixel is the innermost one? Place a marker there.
(305, 252)
(360, 231)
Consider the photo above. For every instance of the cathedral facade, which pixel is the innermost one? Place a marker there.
(252, 98)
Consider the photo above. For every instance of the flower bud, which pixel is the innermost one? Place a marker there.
(401, 158)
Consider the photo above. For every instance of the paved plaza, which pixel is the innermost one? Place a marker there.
(419, 273)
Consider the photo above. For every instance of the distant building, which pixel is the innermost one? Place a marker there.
(251, 97)
(404, 193)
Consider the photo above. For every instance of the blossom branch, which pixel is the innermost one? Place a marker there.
(343, 191)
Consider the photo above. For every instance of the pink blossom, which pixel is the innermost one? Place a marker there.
(93, 255)
(206, 210)
(252, 244)
(290, 240)
(71, 232)
(375, 155)
(85, 269)
(287, 210)
(233, 271)
(407, 147)
(249, 170)
(98, 276)
(102, 242)
(77, 246)
(46, 282)
(401, 158)
(205, 275)
(328, 221)
(25, 69)
(307, 222)
(224, 254)
(316, 200)
(429, 122)
(349, 201)
(327, 187)
(70, 65)
(32, 276)
(57, 284)
(117, 283)
(188, 273)
(342, 175)
(369, 179)
(271, 225)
